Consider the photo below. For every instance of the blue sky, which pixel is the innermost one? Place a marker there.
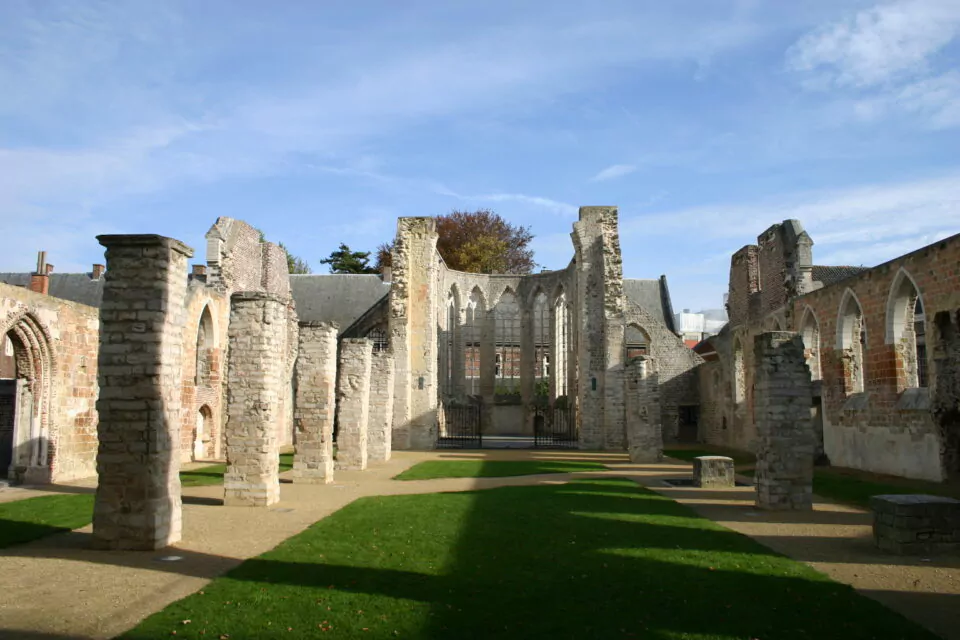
(321, 122)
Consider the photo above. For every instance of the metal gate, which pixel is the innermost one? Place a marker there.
(555, 428)
(459, 426)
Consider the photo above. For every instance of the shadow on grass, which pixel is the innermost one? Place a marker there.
(595, 558)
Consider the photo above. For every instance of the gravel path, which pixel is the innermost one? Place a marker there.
(58, 588)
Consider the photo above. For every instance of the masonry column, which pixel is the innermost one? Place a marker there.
(353, 403)
(459, 387)
(255, 384)
(413, 333)
(315, 404)
(599, 315)
(140, 376)
(380, 423)
(785, 445)
(643, 425)
(488, 365)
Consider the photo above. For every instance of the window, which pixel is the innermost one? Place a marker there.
(810, 334)
(906, 331)
(378, 336)
(637, 342)
(852, 342)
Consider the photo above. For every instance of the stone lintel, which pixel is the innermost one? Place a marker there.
(144, 240)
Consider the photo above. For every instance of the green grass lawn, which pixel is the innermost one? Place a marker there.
(432, 469)
(33, 518)
(597, 558)
(25, 520)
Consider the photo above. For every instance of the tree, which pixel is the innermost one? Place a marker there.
(296, 264)
(477, 242)
(343, 260)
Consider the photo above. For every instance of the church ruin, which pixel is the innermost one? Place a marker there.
(146, 363)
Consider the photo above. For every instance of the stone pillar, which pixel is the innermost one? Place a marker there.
(140, 376)
(644, 432)
(600, 326)
(255, 384)
(786, 442)
(413, 333)
(353, 403)
(380, 423)
(459, 353)
(315, 403)
(488, 365)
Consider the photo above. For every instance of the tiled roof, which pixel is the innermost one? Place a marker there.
(832, 275)
(76, 287)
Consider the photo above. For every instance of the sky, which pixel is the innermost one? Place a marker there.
(704, 121)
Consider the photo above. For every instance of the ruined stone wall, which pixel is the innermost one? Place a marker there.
(413, 333)
(744, 283)
(889, 427)
(600, 321)
(316, 383)
(875, 415)
(67, 333)
(676, 368)
(204, 381)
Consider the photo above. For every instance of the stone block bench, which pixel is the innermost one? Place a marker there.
(916, 524)
(713, 472)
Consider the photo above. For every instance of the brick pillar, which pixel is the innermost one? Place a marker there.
(380, 422)
(255, 384)
(353, 403)
(786, 442)
(140, 377)
(315, 403)
(643, 426)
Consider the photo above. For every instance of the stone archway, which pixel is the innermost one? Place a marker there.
(26, 370)
(203, 435)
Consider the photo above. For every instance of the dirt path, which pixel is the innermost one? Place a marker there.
(61, 589)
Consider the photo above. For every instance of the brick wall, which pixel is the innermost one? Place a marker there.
(69, 410)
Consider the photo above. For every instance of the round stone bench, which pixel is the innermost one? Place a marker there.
(916, 524)
(713, 472)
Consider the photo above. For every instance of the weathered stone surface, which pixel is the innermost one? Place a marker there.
(141, 318)
(353, 403)
(713, 472)
(380, 422)
(916, 524)
(316, 373)
(644, 433)
(258, 329)
(786, 443)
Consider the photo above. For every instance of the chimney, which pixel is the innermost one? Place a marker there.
(200, 270)
(386, 274)
(40, 279)
(98, 270)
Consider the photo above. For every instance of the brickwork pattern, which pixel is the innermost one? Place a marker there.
(353, 402)
(786, 444)
(380, 422)
(316, 375)
(255, 386)
(138, 495)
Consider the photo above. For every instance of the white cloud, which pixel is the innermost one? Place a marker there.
(555, 206)
(878, 44)
(891, 58)
(614, 171)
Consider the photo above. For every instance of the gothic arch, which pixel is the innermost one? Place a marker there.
(906, 330)
(852, 342)
(33, 422)
(810, 334)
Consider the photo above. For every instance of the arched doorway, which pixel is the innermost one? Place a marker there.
(26, 369)
(203, 436)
